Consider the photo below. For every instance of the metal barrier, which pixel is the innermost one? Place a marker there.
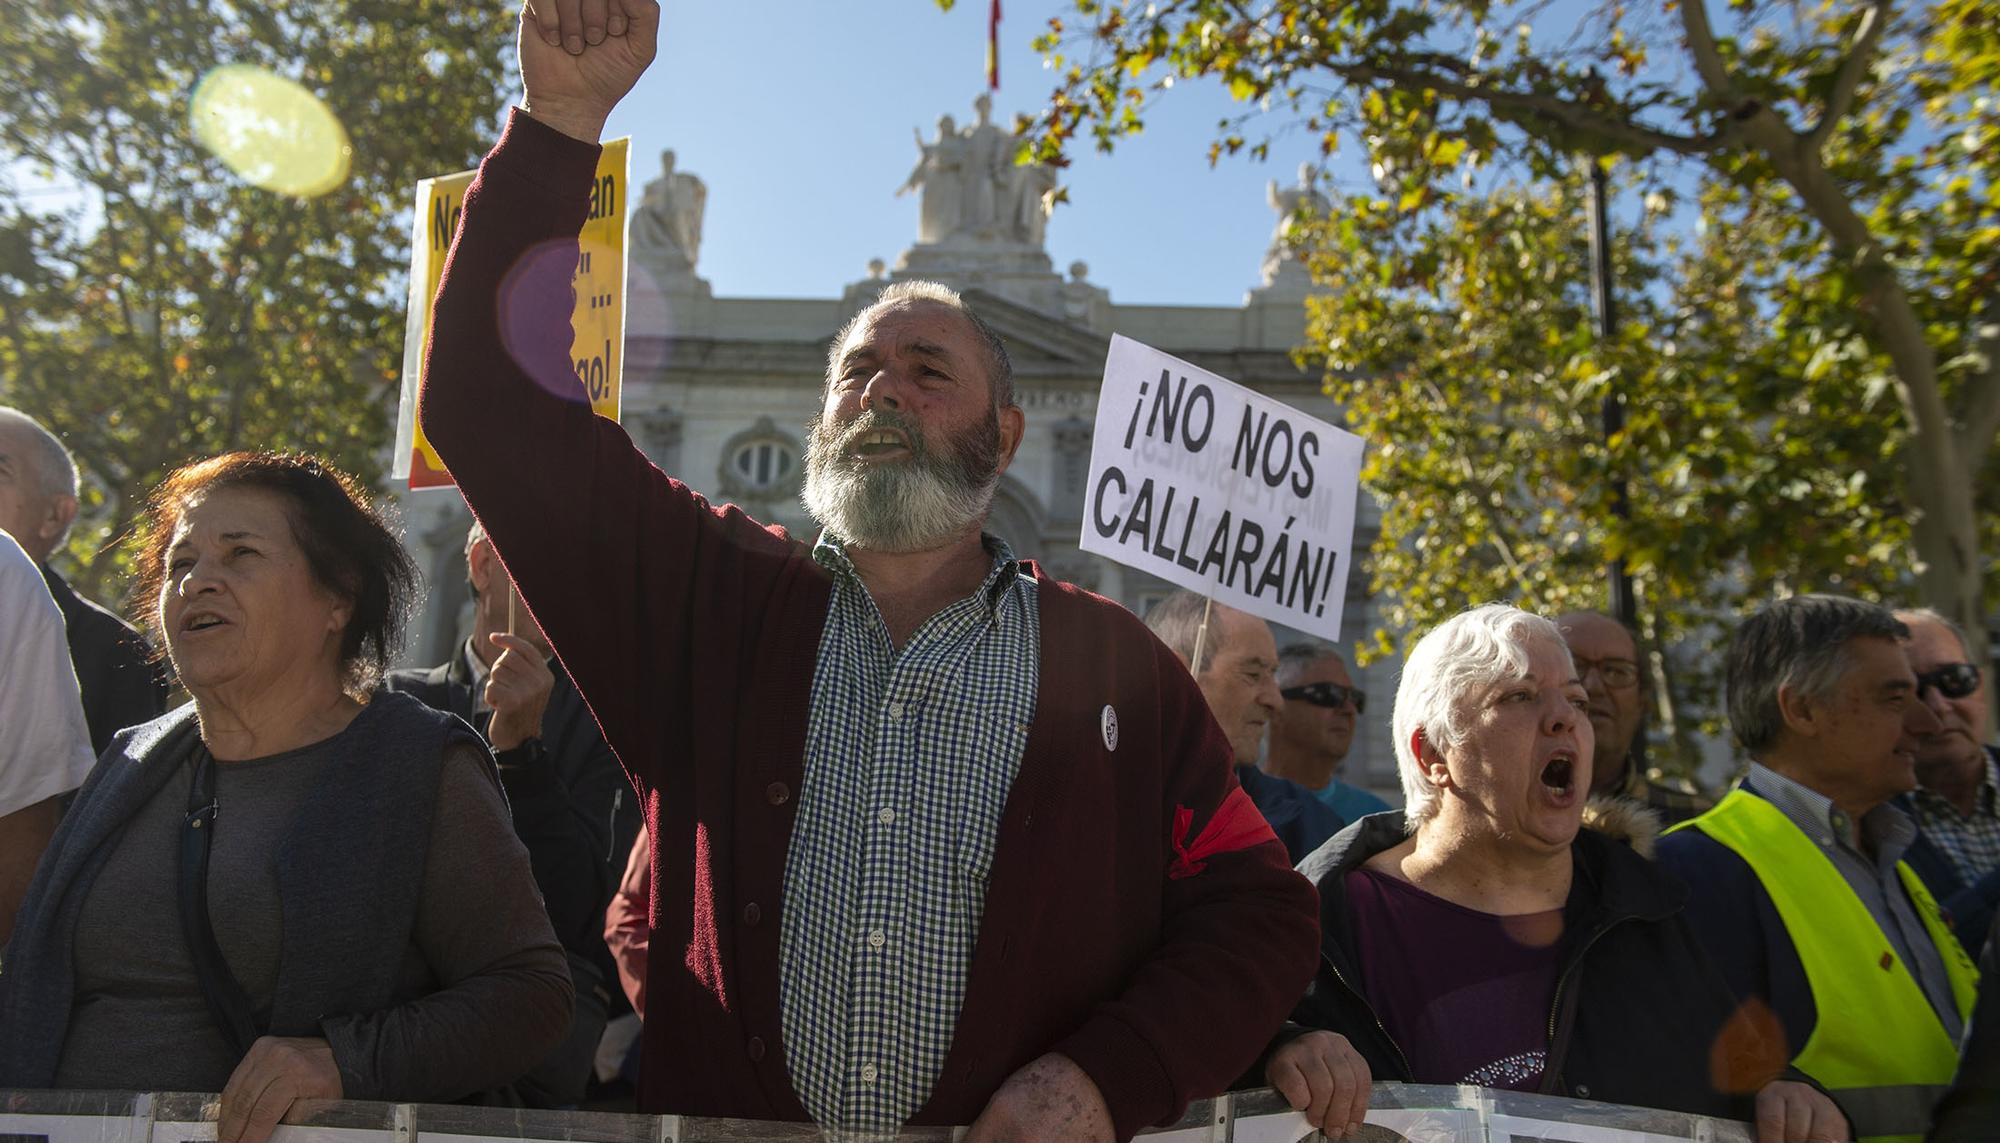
(1399, 1113)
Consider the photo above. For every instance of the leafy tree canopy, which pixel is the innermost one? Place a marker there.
(165, 309)
(1811, 313)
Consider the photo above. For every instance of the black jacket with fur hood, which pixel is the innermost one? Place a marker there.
(1640, 1014)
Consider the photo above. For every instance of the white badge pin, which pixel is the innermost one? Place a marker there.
(1108, 722)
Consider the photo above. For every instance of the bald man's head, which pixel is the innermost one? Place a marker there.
(1607, 660)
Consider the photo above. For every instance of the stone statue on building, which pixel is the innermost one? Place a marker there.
(1032, 186)
(973, 194)
(1278, 302)
(1290, 202)
(666, 228)
(940, 176)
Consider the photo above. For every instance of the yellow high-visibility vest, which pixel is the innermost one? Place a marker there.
(1877, 1046)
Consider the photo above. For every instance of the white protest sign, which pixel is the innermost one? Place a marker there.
(1383, 1125)
(1524, 1129)
(45, 1117)
(73, 1128)
(205, 1132)
(1221, 490)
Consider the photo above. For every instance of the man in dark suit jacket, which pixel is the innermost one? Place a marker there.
(122, 685)
(573, 805)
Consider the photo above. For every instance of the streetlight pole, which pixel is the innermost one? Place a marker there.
(1623, 605)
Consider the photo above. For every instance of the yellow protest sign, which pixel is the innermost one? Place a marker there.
(598, 350)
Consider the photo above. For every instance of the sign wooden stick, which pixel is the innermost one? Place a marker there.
(1201, 635)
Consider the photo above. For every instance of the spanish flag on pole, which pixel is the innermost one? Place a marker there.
(993, 47)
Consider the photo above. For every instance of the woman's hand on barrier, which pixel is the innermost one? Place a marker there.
(1792, 1112)
(1050, 1098)
(1322, 1075)
(274, 1072)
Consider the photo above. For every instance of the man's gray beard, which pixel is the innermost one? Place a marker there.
(912, 505)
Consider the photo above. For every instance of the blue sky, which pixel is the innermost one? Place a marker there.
(798, 115)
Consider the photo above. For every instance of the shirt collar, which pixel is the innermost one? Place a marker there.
(476, 669)
(1887, 829)
(830, 552)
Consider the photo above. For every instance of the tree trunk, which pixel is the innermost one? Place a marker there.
(1945, 536)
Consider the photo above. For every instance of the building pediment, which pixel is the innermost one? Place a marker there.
(1040, 343)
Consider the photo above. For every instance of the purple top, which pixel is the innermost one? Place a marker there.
(1465, 994)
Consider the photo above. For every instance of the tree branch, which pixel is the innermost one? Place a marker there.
(1708, 62)
(1860, 57)
(1563, 111)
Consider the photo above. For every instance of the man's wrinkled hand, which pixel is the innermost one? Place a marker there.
(517, 688)
(580, 57)
(274, 1072)
(1792, 1112)
(1321, 1075)
(1049, 1099)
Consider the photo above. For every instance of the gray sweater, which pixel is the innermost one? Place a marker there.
(392, 913)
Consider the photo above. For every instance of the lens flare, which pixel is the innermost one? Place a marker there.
(270, 131)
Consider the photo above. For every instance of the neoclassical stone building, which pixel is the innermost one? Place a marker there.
(718, 391)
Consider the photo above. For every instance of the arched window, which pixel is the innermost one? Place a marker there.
(763, 464)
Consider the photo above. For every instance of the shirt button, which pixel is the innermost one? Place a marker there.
(777, 793)
(876, 938)
(756, 1048)
(752, 914)
(868, 1073)
(896, 712)
(886, 817)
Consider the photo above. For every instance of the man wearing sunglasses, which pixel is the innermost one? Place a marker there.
(1957, 799)
(1313, 731)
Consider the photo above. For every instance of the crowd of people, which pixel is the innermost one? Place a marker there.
(921, 834)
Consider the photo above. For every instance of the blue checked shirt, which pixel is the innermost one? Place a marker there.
(1971, 842)
(910, 754)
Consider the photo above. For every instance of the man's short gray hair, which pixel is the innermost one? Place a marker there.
(1933, 615)
(1294, 658)
(1457, 660)
(999, 365)
(53, 460)
(1797, 644)
(1176, 621)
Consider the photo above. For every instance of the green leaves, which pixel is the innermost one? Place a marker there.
(167, 311)
(1807, 261)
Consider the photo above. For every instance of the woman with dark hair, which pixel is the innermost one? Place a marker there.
(297, 886)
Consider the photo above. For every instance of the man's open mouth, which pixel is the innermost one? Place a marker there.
(879, 442)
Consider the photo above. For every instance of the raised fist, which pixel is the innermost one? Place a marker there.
(580, 57)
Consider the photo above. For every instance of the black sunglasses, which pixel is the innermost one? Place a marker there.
(1953, 680)
(1328, 695)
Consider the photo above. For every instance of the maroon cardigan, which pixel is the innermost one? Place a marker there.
(1136, 920)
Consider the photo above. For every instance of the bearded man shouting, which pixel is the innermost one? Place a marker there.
(936, 839)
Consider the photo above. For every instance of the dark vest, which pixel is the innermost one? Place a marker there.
(350, 871)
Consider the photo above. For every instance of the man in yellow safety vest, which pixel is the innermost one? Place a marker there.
(1800, 892)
